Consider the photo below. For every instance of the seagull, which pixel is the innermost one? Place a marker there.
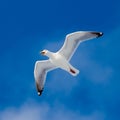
(61, 58)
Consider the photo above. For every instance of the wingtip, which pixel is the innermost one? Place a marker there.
(99, 34)
(40, 92)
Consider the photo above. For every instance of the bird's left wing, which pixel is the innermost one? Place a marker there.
(74, 39)
(40, 71)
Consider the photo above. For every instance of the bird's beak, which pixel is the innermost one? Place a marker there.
(42, 53)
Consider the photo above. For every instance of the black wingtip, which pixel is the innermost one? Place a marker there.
(99, 34)
(40, 92)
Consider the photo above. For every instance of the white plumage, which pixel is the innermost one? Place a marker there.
(61, 58)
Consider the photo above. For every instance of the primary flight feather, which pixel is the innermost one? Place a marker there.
(61, 58)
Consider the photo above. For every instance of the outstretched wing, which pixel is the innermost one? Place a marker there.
(40, 71)
(74, 39)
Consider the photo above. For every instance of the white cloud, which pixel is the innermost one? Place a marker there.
(25, 112)
(33, 111)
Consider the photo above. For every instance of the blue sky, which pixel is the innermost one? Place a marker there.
(26, 27)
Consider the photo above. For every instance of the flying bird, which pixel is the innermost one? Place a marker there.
(61, 58)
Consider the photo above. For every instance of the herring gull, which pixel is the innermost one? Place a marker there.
(61, 58)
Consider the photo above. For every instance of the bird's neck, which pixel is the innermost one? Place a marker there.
(49, 54)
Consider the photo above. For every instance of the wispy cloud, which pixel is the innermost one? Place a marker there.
(44, 112)
(25, 112)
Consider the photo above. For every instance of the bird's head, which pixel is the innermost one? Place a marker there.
(44, 52)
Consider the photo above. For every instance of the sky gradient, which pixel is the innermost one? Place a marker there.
(27, 27)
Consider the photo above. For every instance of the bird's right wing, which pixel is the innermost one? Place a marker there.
(73, 40)
(40, 71)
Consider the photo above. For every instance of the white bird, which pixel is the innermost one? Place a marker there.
(61, 58)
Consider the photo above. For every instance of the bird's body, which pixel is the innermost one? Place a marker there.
(61, 58)
(60, 61)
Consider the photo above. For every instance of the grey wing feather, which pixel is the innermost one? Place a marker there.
(73, 40)
(40, 71)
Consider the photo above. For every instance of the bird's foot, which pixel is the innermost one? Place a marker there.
(74, 72)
